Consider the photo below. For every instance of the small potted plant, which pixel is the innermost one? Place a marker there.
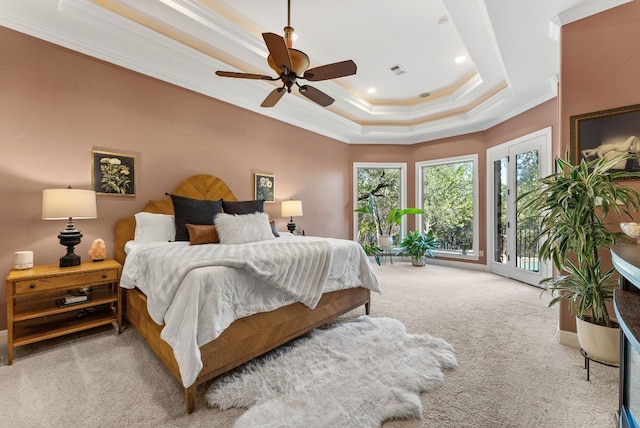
(418, 246)
(371, 249)
(385, 238)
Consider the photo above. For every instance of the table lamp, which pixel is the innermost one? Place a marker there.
(61, 204)
(291, 209)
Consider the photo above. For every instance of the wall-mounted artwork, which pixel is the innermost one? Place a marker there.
(606, 133)
(265, 187)
(113, 173)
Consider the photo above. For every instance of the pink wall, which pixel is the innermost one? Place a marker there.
(599, 70)
(56, 105)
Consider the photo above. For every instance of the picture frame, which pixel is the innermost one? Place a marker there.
(264, 187)
(606, 133)
(113, 173)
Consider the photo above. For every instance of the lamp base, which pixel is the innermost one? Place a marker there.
(291, 226)
(69, 260)
(70, 237)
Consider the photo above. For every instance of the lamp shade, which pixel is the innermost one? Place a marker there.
(291, 208)
(61, 204)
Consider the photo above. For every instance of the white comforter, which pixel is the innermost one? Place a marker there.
(198, 291)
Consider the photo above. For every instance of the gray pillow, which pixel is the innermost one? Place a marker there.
(243, 229)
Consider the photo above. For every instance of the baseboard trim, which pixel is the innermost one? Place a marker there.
(454, 263)
(569, 338)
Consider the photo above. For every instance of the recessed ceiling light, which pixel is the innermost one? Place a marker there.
(371, 90)
(425, 94)
(460, 59)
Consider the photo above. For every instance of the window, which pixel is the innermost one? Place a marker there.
(386, 182)
(447, 190)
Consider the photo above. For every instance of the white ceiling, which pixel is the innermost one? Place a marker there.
(511, 47)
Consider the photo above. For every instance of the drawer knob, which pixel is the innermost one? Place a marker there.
(104, 276)
(32, 285)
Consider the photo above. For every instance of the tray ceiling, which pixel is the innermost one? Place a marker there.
(405, 49)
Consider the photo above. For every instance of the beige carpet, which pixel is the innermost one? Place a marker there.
(512, 372)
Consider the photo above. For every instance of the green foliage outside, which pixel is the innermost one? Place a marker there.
(527, 167)
(384, 185)
(448, 203)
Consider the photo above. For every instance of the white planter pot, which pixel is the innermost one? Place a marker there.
(421, 261)
(599, 342)
(385, 241)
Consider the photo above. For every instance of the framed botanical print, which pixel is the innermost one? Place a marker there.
(265, 187)
(113, 173)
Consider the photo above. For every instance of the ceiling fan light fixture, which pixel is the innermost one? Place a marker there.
(299, 62)
(290, 65)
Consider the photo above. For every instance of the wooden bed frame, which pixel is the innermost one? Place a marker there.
(245, 338)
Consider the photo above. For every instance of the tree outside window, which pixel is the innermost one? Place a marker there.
(448, 202)
(384, 184)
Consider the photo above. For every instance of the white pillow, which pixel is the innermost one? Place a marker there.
(154, 227)
(243, 228)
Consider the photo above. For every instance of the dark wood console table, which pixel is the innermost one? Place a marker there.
(626, 303)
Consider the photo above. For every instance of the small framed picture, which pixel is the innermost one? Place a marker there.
(113, 173)
(265, 187)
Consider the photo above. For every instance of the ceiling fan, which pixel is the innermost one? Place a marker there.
(291, 65)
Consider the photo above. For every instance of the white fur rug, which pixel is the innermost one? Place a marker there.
(354, 374)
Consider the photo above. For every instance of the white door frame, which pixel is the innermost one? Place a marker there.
(542, 141)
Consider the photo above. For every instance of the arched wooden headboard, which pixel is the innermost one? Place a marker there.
(197, 187)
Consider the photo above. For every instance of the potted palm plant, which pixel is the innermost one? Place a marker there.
(418, 246)
(574, 203)
(385, 228)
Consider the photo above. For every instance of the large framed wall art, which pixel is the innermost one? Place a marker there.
(606, 133)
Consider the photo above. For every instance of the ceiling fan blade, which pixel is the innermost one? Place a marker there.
(316, 95)
(244, 75)
(273, 97)
(278, 50)
(331, 71)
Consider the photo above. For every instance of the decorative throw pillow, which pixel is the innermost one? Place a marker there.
(193, 211)
(154, 227)
(242, 229)
(243, 207)
(202, 234)
(274, 229)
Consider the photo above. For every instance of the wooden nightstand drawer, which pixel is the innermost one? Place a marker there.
(65, 281)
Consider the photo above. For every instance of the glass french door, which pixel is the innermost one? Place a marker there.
(513, 169)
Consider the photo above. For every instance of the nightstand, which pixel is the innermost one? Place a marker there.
(32, 295)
